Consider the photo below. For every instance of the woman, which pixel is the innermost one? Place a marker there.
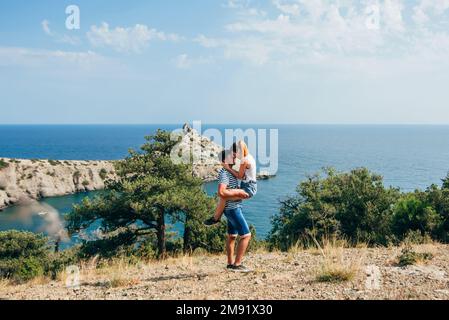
(247, 173)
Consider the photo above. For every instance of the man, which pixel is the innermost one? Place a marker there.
(237, 225)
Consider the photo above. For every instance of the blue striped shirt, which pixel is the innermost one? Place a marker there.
(225, 177)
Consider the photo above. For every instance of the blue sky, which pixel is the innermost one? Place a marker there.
(225, 61)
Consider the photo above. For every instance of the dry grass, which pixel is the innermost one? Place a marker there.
(4, 283)
(334, 266)
(39, 281)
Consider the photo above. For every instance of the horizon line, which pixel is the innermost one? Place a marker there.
(223, 123)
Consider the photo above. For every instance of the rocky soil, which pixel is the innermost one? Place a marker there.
(275, 276)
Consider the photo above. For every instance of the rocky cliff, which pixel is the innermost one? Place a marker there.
(25, 179)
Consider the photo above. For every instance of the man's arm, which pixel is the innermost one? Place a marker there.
(238, 174)
(225, 193)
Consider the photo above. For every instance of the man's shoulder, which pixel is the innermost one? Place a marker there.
(223, 174)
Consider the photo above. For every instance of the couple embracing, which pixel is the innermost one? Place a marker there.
(231, 194)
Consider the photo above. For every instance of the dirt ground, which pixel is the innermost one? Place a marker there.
(274, 275)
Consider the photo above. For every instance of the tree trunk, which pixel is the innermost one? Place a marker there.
(162, 250)
(187, 233)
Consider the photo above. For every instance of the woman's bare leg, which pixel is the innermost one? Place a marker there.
(234, 195)
(220, 209)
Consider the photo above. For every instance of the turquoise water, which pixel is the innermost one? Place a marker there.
(408, 157)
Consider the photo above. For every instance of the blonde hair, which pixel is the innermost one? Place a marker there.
(241, 148)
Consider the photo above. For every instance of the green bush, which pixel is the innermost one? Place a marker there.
(62, 259)
(23, 255)
(103, 174)
(3, 164)
(29, 268)
(446, 182)
(54, 162)
(353, 205)
(409, 257)
(413, 213)
(357, 207)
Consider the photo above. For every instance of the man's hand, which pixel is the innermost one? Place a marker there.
(242, 194)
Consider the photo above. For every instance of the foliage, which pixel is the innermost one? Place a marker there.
(3, 164)
(413, 212)
(54, 162)
(446, 182)
(103, 174)
(410, 257)
(353, 205)
(23, 255)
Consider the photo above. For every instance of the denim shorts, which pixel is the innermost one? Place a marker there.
(237, 224)
(249, 187)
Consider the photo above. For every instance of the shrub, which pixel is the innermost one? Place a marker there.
(103, 174)
(85, 183)
(76, 175)
(446, 182)
(334, 267)
(28, 269)
(62, 259)
(353, 205)
(51, 174)
(438, 199)
(23, 255)
(334, 273)
(54, 162)
(3, 164)
(413, 213)
(410, 257)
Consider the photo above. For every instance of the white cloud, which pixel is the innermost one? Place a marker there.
(132, 39)
(392, 14)
(427, 8)
(183, 61)
(317, 31)
(59, 38)
(235, 4)
(288, 8)
(27, 57)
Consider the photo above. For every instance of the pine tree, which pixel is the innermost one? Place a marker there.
(150, 189)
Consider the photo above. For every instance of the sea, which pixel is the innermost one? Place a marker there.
(407, 156)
